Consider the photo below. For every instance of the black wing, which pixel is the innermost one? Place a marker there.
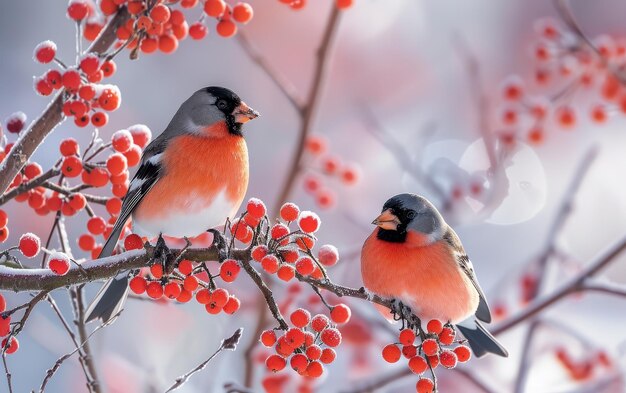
(465, 264)
(149, 172)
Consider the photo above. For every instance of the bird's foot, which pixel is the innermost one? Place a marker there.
(403, 313)
(220, 243)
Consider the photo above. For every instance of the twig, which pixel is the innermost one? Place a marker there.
(267, 294)
(50, 373)
(34, 183)
(308, 113)
(279, 80)
(6, 371)
(229, 344)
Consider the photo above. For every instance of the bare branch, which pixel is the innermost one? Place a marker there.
(34, 183)
(229, 344)
(267, 293)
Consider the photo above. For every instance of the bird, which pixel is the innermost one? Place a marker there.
(191, 178)
(413, 256)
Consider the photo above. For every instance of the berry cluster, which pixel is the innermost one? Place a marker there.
(159, 26)
(299, 4)
(306, 346)
(582, 370)
(10, 344)
(185, 281)
(437, 346)
(566, 67)
(330, 167)
(88, 100)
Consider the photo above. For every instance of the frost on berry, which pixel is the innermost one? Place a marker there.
(15, 122)
(45, 51)
(29, 245)
(141, 134)
(328, 255)
(309, 221)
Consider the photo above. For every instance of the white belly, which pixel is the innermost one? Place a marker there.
(195, 219)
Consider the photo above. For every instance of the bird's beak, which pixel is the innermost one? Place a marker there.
(387, 220)
(243, 113)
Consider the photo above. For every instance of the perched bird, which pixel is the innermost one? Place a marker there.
(191, 178)
(413, 256)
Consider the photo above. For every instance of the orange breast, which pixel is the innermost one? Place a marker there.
(196, 169)
(425, 278)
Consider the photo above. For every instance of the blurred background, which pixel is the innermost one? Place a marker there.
(398, 71)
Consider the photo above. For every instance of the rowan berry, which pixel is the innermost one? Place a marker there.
(133, 155)
(418, 364)
(309, 222)
(270, 264)
(77, 9)
(226, 28)
(313, 352)
(331, 337)
(242, 12)
(256, 208)
(566, 116)
(198, 31)
(275, 363)
(344, 4)
(114, 206)
(214, 8)
(424, 385)
(391, 353)
(160, 13)
(5, 324)
(328, 255)
(300, 318)
(81, 121)
(434, 326)
(406, 337)
(232, 305)
(220, 297)
(446, 337)
(32, 170)
(109, 99)
(29, 245)
(108, 68)
(116, 163)
(154, 290)
(133, 242)
(54, 78)
(99, 119)
(328, 356)
(86, 242)
(4, 234)
(286, 273)
(430, 347)
(59, 263)
(168, 43)
(13, 344)
(203, 296)
(172, 290)
(289, 212)
(71, 79)
(4, 218)
(89, 63)
(45, 52)
(42, 87)
(138, 285)
(463, 353)
(340, 313)
(305, 266)
(87, 92)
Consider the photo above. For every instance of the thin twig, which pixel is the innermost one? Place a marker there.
(229, 344)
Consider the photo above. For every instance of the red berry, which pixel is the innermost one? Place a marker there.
(71, 79)
(418, 364)
(160, 13)
(232, 305)
(300, 317)
(69, 147)
(3, 303)
(172, 290)
(43, 87)
(340, 313)
(4, 218)
(141, 135)
(109, 99)
(320, 322)
(90, 64)
(71, 166)
(289, 212)
(133, 155)
(425, 385)
(184, 296)
(5, 324)
(446, 337)
(220, 297)
(268, 338)
(434, 326)
(16, 122)
(59, 263)
(203, 296)
(198, 31)
(258, 252)
(77, 9)
(54, 78)
(45, 52)
(214, 8)
(154, 290)
(328, 355)
(114, 206)
(32, 170)
(279, 231)
(344, 4)
(448, 359)
(331, 337)
(305, 266)
(156, 270)
(226, 28)
(328, 255)
(29, 245)
(138, 285)
(229, 270)
(314, 369)
(99, 119)
(313, 352)
(270, 264)
(133, 242)
(463, 353)
(430, 347)
(299, 363)
(242, 12)
(108, 68)
(308, 222)
(286, 273)
(116, 164)
(275, 363)
(406, 337)
(13, 345)
(391, 353)
(121, 141)
(86, 242)
(185, 267)
(295, 337)
(566, 116)
(190, 283)
(256, 208)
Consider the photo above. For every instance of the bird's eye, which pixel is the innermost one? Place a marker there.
(411, 215)
(221, 104)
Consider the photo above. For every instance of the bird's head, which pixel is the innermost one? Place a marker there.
(213, 111)
(410, 218)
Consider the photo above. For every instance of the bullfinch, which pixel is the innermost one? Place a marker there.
(414, 257)
(191, 178)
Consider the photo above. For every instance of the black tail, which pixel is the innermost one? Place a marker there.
(110, 299)
(481, 341)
